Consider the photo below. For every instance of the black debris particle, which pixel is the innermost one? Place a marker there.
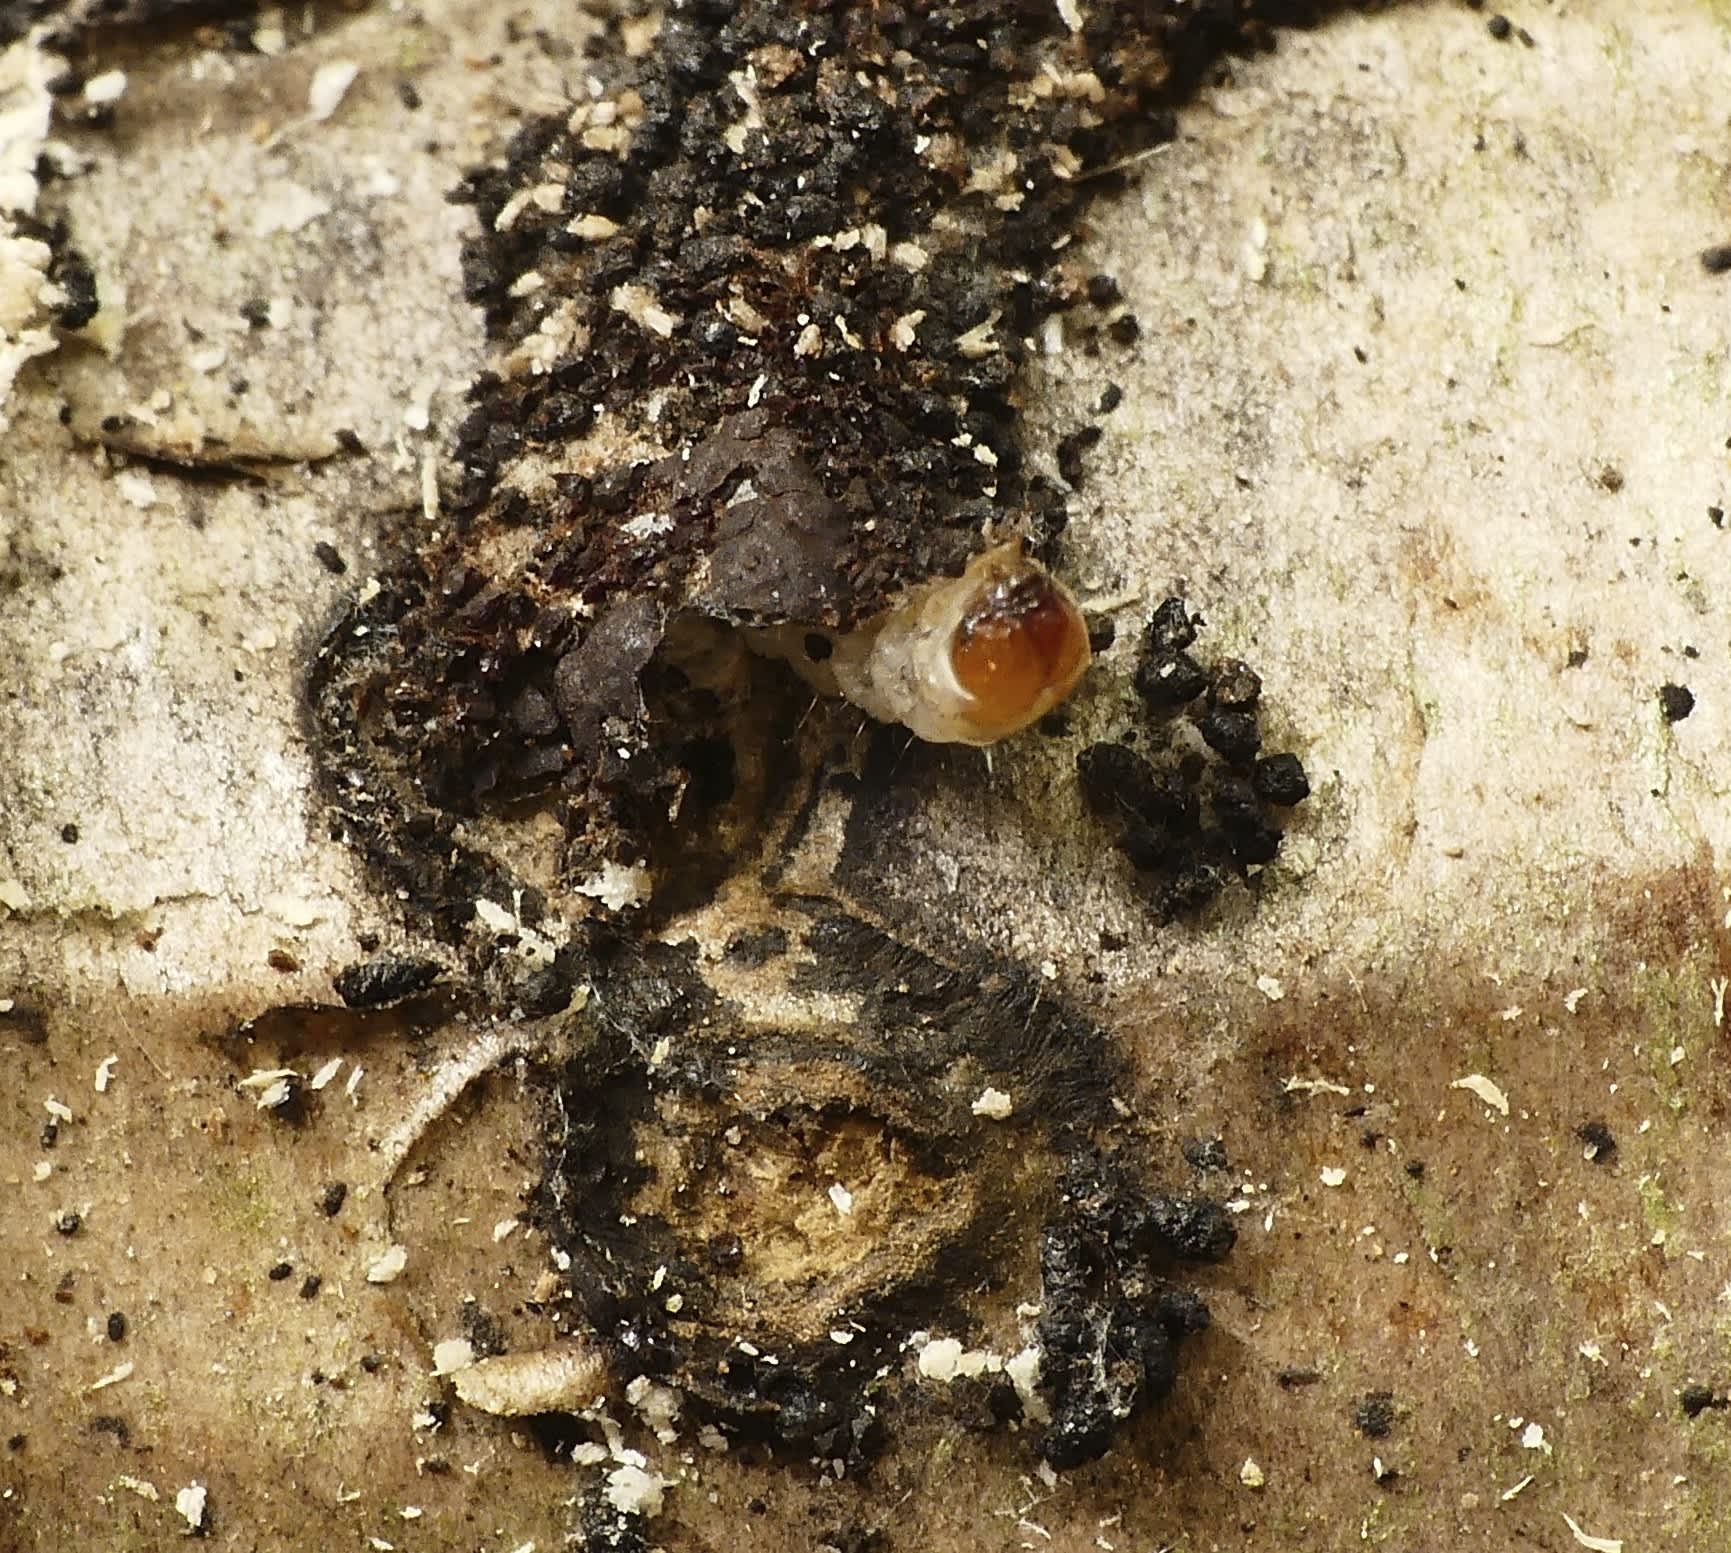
(310, 1286)
(1697, 1399)
(327, 555)
(281, 961)
(1414, 1169)
(1292, 1378)
(1188, 824)
(69, 834)
(1280, 780)
(1499, 27)
(1167, 681)
(1716, 516)
(1676, 702)
(1717, 259)
(1073, 448)
(1600, 1143)
(332, 1197)
(68, 1222)
(1104, 290)
(1110, 398)
(1374, 1415)
(16, 1442)
(116, 1326)
(280, 1271)
(1610, 478)
(1110, 1323)
(255, 312)
(380, 983)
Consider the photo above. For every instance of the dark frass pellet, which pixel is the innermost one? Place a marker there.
(1676, 702)
(1231, 735)
(116, 1326)
(1236, 686)
(1280, 779)
(1169, 682)
(1172, 629)
(331, 1199)
(280, 1271)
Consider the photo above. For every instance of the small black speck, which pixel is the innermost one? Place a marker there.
(325, 553)
(256, 312)
(349, 440)
(1110, 398)
(1126, 330)
(1695, 1400)
(1716, 516)
(1415, 1169)
(1290, 1378)
(1360, 354)
(818, 647)
(1374, 1415)
(69, 1222)
(1676, 702)
(371, 1363)
(1611, 478)
(331, 1199)
(1103, 290)
(1577, 656)
(1598, 1137)
(1102, 633)
(69, 834)
(726, 1251)
(116, 1326)
(408, 95)
(280, 1271)
(311, 1285)
(1717, 259)
(1499, 27)
(15, 1442)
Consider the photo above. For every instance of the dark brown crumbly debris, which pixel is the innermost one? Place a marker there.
(760, 312)
(684, 1191)
(760, 309)
(1188, 823)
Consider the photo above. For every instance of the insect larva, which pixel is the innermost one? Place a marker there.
(965, 660)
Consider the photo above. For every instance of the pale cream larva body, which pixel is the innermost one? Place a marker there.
(962, 660)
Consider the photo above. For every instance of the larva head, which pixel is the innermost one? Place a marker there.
(1018, 647)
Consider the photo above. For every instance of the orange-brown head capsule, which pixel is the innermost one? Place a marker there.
(970, 659)
(1018, 650)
